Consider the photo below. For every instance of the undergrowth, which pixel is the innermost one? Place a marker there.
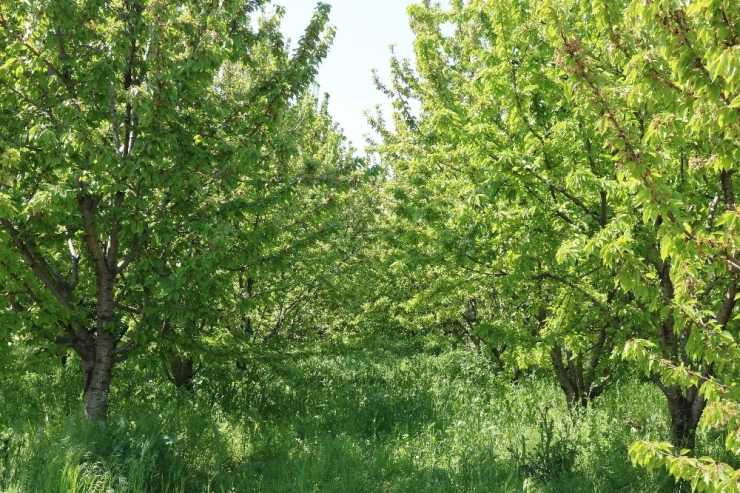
(373, 414)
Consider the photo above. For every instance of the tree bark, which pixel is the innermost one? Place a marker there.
(181, 372)
(578, 383)
(685, 408)
(566, 383)
(687, 405)
(100, 369)
(97, 387)
(99, 374)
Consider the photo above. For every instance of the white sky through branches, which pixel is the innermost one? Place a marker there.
(365, 30)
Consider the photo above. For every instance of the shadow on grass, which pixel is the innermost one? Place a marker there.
(345, 463)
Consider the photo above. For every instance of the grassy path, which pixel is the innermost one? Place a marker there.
(358, 415)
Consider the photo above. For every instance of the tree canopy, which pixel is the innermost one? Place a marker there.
(571, 164)
(556, 186)
(145, 138)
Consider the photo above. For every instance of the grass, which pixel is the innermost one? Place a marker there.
(372, 414)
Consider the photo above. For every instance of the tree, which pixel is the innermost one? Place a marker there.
(500, 179)
(131, 122)
(287, 227)
(663, 79)
(287, 259)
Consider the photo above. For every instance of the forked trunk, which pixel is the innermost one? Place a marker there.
(578, 382)
(104, 341)
(687, 405)
(686, 408)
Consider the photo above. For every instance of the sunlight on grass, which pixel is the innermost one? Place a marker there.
(357, 415)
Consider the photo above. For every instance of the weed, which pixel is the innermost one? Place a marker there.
(554, 453)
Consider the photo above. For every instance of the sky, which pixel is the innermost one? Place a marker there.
(365, 31)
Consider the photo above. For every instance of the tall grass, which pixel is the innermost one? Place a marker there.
(377, 414)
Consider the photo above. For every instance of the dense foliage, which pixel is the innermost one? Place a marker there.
(570, 166)
(163, 170)
(556, 192)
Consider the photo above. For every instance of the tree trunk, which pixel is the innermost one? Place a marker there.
(687, 405)
(99, 374)
(97, 387)
(686, 408)
(567, 383)
(516, 374)
(86, 365)
(181, 372)
(578, 383)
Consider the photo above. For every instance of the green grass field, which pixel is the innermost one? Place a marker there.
(355, 415)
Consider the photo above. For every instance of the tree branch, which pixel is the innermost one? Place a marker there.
(87, 207)
(132, 254)
(111, 249)
(75, 264)
(57, 285)
(35, 104)
(114, 120)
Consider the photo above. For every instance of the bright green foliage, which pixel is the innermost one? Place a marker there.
(318, 230)
(560, 187)
(664, 80)
(288, 231)
(571, 164)
(141, 143)
(501, 190)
